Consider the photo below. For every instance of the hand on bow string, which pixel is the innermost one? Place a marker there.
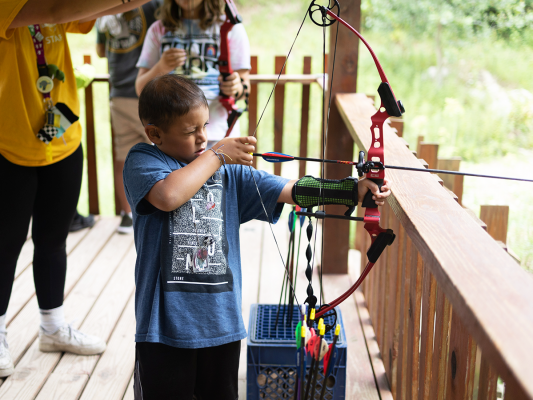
(236, 150)
(378, 196)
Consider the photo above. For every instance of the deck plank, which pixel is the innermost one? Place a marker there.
(113, 372)
(272, 268)
(252, 249)
(360, 382)
(73, 371)
(23, 287)
(24, 324)
(24, 327)
(129, 391)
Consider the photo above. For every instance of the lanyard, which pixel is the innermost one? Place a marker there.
(44, 84)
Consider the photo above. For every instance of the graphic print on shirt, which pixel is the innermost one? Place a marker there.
(195, 248)
(202, 53)
(124, 33)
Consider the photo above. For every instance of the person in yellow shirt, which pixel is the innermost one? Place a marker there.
(41, 157)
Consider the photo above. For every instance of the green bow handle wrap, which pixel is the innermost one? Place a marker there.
(310, 191)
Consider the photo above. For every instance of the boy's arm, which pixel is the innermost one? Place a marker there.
(181, 185)
(286, 193)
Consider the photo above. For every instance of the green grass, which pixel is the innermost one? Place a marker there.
(481, 110)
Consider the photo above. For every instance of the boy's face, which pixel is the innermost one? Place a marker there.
(186, 138)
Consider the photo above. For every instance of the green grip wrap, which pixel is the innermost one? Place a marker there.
(310, 191)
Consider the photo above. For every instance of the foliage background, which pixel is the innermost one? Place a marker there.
(462, 69)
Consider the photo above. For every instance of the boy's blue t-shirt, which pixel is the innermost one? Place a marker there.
(188, 270)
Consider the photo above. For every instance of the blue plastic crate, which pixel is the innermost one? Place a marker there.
(271, 356)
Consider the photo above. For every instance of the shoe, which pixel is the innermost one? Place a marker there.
(70, 340)
(81, 222)
(126, 225)
(6, 363)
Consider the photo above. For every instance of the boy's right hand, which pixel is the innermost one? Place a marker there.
(172, 59)
(237, 150)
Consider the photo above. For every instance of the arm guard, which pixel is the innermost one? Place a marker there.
(310, 192)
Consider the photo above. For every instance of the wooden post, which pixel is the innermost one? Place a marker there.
(462, 362)
(487, 380)
(419, 140)
(305, 117)
(429, 152)
(497, 219)
(397, 123)
(118, 208)
(452, 182)
(91, 147)
(339, 145)
(279, 104)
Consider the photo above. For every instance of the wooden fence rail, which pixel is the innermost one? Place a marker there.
(445, 292)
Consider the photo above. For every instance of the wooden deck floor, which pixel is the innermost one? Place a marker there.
(99, 300)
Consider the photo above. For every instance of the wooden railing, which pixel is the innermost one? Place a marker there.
(451, 310)
(306, 79)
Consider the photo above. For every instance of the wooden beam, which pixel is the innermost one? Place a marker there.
(339, 144)
(91, 147)
(279, 106)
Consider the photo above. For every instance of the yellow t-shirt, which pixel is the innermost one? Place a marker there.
(21, 104)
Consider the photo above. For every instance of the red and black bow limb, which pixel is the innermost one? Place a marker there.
(380, 237)
(224, 63)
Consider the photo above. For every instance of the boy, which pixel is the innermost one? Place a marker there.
(187, 211)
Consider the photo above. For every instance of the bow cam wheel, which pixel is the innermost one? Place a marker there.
(318, 15)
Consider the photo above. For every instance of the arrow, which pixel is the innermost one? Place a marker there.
(274, 157)
(329, 361)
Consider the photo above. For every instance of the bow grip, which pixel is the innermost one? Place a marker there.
(367, 201)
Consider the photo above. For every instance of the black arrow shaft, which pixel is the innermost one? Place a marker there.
(439, 171)
(293, 158)
(443, 171)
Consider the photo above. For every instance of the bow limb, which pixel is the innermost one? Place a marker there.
(224, 63)
(381, 238)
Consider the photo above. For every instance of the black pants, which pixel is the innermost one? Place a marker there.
(49, 194)
(164, 372)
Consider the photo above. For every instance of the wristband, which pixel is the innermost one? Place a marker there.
(221, 155)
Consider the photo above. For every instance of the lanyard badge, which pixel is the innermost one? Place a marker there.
(57, 117)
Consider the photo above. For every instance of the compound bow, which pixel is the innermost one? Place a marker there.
(380, 237)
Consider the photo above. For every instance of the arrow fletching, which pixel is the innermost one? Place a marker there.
(275, 157)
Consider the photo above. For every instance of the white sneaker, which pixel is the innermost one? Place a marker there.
(70, 340)
(126, 224)
(6, 363)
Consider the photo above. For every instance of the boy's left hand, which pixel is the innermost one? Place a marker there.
(379, 197)
(232, 85)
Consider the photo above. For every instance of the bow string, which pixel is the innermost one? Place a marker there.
(380, 237)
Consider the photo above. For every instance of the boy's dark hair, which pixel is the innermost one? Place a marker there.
(169, 96)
